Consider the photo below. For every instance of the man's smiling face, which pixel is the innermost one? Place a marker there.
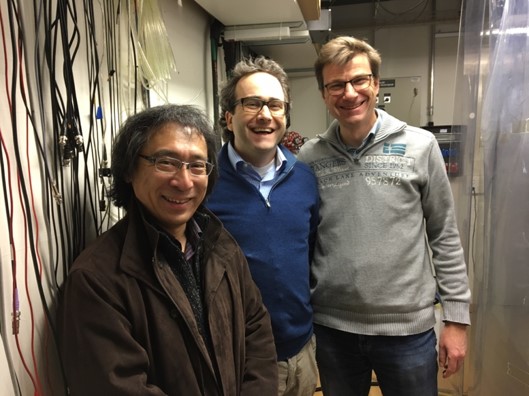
(353, 109)
(171, 199)
(256, 135)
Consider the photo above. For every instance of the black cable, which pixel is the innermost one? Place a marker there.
(94, 71)
(13, 29)
(5, 170)
(424, 3)
(51, 195)
(67, 164)
(27, 206)
(55, 102)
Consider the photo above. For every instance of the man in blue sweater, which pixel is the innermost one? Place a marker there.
(269, 202)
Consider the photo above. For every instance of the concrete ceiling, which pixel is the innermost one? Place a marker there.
(323, 19)
(240, 14)
(250, 12)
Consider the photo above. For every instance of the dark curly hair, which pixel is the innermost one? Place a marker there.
(244, 68)
(135, 133)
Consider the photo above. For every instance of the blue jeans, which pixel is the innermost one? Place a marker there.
(404, 365)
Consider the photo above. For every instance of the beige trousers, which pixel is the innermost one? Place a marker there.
(298, 376)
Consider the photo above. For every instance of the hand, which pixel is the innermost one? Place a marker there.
(452, 347)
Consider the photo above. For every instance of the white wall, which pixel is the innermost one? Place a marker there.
(308, 115)
(445, 80)
(405, 52)
(188, 32)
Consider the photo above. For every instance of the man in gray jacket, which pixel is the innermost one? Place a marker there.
(386, 202)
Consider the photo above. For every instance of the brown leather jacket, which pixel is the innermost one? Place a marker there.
(127, 328)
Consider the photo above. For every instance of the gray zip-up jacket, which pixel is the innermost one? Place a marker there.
(382, 211)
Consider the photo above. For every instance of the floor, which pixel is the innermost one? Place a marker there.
(375, 391)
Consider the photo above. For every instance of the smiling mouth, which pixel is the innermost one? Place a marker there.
(176, 201)
(263, 131)
(353, 107)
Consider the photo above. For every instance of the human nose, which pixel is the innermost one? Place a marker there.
(181, 178)
(349, 88)
(264, 112)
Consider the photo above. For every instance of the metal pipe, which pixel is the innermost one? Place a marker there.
(431, 77)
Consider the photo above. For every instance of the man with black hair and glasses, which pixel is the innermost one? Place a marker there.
(386, 202)
(269, 202)
(164, 303)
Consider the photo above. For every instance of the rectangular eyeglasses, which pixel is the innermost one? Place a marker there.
(171, 165)
(254, 105)
(358, 83)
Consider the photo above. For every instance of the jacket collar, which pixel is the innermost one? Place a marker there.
(142, 238)
(389, 125)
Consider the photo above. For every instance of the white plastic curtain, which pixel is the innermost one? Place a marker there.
(500, 350)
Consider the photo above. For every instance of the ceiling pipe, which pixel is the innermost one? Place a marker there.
(431, 76)
(379, 25)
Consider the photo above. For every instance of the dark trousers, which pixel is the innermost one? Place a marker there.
(404, 365)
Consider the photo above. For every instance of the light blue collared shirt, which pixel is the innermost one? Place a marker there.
(370, 136)
(262, 178)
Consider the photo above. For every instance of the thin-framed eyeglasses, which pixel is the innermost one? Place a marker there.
(254, 105)
(171, 165)
(358, 83)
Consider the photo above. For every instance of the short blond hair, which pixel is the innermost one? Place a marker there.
(341, 50)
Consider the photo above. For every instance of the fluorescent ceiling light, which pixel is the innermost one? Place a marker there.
(524, 31)
(256, 34)
(296, 37)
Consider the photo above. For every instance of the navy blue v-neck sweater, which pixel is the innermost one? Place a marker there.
(277, 237)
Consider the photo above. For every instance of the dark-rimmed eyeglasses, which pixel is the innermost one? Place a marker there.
(171, 165)
(358, 83)
(254, 105)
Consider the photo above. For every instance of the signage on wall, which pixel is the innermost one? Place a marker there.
(387, 83)
(400, 97)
